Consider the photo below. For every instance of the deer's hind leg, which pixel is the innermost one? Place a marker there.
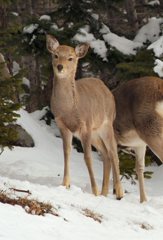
(152, 135)
(151, 131)
(86, 143)
(99, 145)
(155, 143)
(140, 163)
(111, 146)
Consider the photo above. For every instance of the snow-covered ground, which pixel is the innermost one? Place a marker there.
(40, 170)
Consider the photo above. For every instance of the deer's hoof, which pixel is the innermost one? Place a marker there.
(67, 185)
(104, 193)
(119, 192)
(95, 191)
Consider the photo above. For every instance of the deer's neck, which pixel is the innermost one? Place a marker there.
(64, 96)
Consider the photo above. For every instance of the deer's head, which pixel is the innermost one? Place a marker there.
(65, 58)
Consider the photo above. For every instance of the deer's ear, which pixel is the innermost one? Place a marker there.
(51, 43)
(81, 50)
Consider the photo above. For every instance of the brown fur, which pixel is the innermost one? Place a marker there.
(83, 108)
(138, 123)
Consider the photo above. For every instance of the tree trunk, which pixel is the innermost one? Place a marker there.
(29, 8)
(46, 5)
(161, 4)
(145, 2)
(3, 17)
(131, 14)
(110, 14)
(32, 65)
(17, 6)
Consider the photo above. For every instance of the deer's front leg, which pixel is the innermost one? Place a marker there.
(67, 142)
(86, 143)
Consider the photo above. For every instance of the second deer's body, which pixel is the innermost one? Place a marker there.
(139, 120)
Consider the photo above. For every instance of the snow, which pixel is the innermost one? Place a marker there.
(104, 29)
(99, 48)
(158, 68)
(15, 14)
(54, 26)
(40, 169)
(150, 31)
(154, 3)
(32, 39)
(26, 81)
(30, 28)
(123, 44)
(157, 47)
(95, 16)
(70, 24)
(15, 68)
(45, 18)
(97, 45)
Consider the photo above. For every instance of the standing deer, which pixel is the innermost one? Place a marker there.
(86, 109)
(139, 120)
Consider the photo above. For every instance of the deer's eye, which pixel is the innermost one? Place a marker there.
(56, 56)
(70, 59)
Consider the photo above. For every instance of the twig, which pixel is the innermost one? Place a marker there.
(20, 190)
(128, 151)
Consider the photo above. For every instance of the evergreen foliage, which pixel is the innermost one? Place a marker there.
(127, 166)
(7, 110)
(9, 86)
(136, 66)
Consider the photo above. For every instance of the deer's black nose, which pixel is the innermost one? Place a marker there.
(59, 67)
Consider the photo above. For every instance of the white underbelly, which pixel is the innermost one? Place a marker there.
(159, 108)
(131, 139)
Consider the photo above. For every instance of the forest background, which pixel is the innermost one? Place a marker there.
(102, 23)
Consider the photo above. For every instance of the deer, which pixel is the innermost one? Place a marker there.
(85, 109)
(139, 120)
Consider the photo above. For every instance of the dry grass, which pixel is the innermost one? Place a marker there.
(95, 216)
(31, 206)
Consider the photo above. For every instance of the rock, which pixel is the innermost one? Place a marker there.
(24, 139)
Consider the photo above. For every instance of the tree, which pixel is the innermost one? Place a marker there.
(132, 14)
(7, 106)
(4, 5)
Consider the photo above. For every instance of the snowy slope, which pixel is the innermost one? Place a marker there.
(40, 170)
